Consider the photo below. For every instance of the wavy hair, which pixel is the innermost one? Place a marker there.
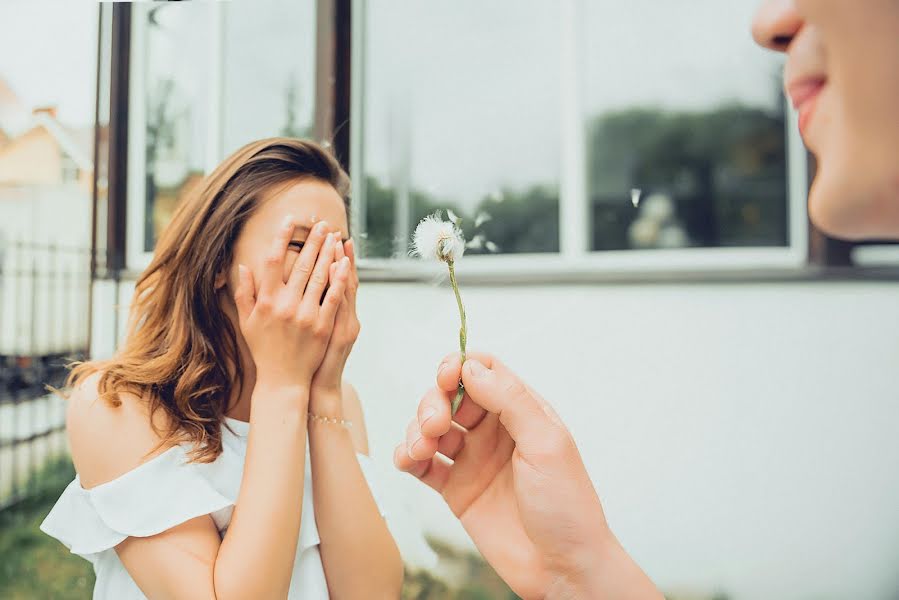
(180, 354)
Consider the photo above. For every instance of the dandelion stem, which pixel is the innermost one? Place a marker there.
(463, 333)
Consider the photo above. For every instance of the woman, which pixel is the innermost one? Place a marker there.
(516, 479)
(195, 479)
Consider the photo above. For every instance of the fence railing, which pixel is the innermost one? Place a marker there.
(44, 320)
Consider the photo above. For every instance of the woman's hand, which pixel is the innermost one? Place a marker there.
(326, 383)
(287, 326)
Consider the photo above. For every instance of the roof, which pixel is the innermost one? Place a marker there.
(66, 140)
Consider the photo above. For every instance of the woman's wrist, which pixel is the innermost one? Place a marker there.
(277, 397)
(326, 401)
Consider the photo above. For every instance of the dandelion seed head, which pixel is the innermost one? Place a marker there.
(437, 239)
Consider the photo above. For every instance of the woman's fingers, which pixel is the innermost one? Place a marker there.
(305, 262)
(245, 294)
(350, 249)
(312, 295)
(273, 268)
(334, 298)
(353, 284)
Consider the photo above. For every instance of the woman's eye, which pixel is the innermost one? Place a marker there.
(296, 246)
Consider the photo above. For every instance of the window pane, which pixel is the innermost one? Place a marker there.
(690, 112)
(178, 88)
(461, 108)
(269, 70)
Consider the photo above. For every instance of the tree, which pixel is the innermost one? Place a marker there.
(725, 169)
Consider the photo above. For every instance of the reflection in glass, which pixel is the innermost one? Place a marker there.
(690, 112)
(177, 99)
(461, 110)
(269, 70)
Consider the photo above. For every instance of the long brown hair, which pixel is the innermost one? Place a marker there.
(180, 354)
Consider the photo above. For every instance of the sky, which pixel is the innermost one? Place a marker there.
(48, 55)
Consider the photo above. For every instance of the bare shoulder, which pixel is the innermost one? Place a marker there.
(352, 411)
(107, 441)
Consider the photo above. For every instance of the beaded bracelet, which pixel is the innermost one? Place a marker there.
(330, 421)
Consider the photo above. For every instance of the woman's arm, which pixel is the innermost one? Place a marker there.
(359, 554)
(256, 557)
(287, 327)
(190, 560)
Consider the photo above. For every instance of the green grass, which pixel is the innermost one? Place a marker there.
(478, 580)
(34, 566)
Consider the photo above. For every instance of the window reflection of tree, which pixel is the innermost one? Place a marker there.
(168, 119)
(724, 170)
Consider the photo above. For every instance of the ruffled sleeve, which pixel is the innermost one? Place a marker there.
(158, 495)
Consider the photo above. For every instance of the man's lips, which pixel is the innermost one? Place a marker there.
(804, 94)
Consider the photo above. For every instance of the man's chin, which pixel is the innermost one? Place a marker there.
(852, 214)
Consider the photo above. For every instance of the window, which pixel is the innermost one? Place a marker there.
(207, 78)
(536, 122)
(175, 88)
(269, 71)
(601, 136)
(460, 110)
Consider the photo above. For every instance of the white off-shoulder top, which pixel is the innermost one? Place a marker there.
(166, 491)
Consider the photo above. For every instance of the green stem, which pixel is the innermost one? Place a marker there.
(463, 332)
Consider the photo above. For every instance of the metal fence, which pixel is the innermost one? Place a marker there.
(44, 321)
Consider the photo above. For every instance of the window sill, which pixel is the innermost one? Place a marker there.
(573, 273)
(557, 270)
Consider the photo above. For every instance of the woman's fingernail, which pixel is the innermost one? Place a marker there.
(475, 368)
(426, 415)
(288, 222)
(321, 226)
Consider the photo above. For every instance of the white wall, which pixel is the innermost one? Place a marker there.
(744, 438)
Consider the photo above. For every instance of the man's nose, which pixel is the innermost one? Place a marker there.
(776, 23)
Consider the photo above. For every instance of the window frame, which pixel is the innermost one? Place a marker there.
(809, 254)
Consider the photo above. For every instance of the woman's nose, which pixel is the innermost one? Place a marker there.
(776, 23)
